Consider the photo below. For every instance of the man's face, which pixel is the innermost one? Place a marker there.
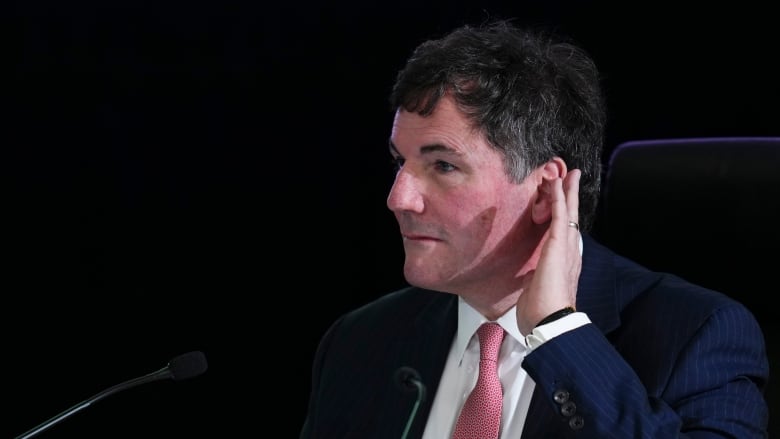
(461, 218)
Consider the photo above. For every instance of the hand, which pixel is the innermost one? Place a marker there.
(553, 285)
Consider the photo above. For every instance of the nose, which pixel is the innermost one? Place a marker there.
(405, 193)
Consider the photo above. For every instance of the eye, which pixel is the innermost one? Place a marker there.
(398, 163)
(444, 167)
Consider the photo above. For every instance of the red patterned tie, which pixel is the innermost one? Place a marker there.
(480, 417)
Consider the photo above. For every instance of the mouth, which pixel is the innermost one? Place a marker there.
(418, 238)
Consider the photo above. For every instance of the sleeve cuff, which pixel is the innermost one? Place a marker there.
(545, 332)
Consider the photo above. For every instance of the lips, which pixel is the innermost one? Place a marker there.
(418, 237)
(419, 232)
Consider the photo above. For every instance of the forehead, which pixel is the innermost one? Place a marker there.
(447, 126)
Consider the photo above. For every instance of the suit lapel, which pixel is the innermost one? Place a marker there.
(596, 292)
(428, 344)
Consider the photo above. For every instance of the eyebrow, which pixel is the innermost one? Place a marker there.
(428, 149)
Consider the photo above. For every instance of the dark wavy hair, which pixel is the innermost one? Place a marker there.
(533, 94)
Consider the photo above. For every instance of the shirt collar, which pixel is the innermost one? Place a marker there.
(469, 320)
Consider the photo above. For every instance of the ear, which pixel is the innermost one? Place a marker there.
(541, 211)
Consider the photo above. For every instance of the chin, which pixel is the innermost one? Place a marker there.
(419, 276)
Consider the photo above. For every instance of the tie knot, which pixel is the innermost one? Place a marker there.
(490, 337)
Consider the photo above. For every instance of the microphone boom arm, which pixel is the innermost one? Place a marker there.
(181, 367)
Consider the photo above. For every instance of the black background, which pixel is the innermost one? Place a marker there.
(212, 176)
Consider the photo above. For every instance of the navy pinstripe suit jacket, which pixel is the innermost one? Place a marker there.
(662, 359)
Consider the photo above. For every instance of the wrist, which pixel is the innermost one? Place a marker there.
(563, 312)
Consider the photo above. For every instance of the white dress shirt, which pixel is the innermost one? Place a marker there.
(462, 367)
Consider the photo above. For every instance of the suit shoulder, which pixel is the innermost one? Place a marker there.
(403, 304)
(667, 295)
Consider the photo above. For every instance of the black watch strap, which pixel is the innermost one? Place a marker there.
(556, 315)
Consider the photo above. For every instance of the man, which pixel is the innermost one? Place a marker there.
(498, 139)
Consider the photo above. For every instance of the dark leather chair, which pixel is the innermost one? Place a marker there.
(708, 210)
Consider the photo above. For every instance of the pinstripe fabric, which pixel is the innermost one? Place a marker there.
(660, 358)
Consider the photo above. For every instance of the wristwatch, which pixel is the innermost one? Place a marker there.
(556, 315)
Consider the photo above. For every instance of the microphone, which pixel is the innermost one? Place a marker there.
(182, 367)
(408, 380)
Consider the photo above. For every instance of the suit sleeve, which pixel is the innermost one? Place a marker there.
(704, 383)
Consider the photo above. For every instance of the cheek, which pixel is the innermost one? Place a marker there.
(509, 213)
(483, 213)
(479, 217)
(486, 219)
(474, 210)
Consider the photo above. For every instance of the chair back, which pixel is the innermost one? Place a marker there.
(705, 209)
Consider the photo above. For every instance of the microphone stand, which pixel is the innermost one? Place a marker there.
(154, 376)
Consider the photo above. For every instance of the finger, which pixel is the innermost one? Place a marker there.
(571, 188)
(560, 218)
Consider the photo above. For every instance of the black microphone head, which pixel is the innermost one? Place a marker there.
(188, 365)
(404, 376)
(409, 380)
